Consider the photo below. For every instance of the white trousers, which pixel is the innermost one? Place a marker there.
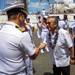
(43, 36)
(39, 33)
(29, 66)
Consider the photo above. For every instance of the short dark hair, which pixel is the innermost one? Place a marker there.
(39, 17)
(45, 19)
(15, 11)
(65, 17)
(74, 16)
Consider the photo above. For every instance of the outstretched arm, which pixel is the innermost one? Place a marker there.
(72, 59)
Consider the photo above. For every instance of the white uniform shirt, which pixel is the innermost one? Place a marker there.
(13, 44)
(30, 29)
(44, 29)
(61, 54)
(63, 24)
(72, 25)
(43, 13)
(38, 22)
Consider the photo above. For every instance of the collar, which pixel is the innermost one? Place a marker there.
(11, 23)
(15, 25)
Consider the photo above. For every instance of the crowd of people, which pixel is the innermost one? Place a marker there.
(17, 49)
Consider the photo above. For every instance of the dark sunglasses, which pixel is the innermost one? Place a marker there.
(48, 23)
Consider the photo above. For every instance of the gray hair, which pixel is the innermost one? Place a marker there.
(55, 19)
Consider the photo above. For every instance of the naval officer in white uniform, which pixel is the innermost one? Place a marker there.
(15, 43)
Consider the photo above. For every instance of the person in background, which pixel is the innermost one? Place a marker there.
(15, 43)
(72, 32)
(39, 29)
(58, 18)
(43, 12)
(64, 23)
(30, 27)
(60, 46)
(44, 30)
(28, 61)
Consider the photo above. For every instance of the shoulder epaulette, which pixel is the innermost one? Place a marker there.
(20, 28)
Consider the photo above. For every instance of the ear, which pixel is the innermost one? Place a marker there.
(18, 16)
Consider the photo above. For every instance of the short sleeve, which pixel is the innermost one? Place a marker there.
(68, 39)
(26, 44)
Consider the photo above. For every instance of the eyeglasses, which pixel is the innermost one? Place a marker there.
(48, 23)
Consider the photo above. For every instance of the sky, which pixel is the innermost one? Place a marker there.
(33, 5)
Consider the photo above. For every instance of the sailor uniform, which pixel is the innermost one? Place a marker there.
(63, 24)
(28, 60)
(18, 44)
(72, 25)
(39, 29)
(43, 36)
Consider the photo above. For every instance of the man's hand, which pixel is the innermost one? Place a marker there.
(37, 50)
(72, 61)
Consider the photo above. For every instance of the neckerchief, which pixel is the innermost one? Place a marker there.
(53, 44)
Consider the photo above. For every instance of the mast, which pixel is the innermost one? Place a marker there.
(25, 5)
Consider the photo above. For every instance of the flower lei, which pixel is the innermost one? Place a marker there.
(53, 44)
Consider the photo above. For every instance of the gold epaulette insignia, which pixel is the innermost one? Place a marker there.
(20, 28)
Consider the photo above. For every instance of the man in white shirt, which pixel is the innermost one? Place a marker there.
(64, 23)
(39, 29)
(44, 31)
(15, 43)
(43, 13)
(60, 46)
(72, 32)
(28, 61)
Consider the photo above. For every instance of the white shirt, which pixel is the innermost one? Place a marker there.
(30, 29)
(63, 24)
(72, 25)
(61, 54)
(44, 29)
(14, 44)
(43, 13)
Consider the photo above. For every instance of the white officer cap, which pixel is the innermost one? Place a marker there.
(15, 8)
